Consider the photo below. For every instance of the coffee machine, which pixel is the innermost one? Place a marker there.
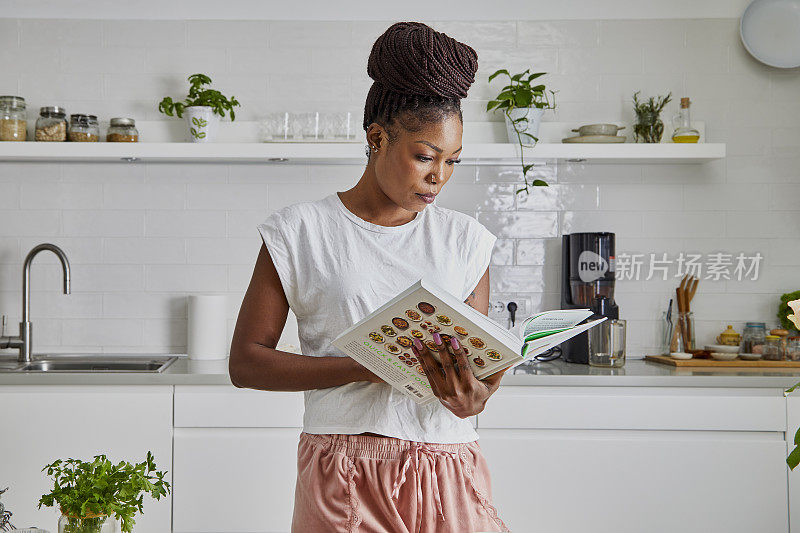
(587, 282)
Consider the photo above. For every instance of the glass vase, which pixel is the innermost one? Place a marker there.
(648, 128)
(86, 524)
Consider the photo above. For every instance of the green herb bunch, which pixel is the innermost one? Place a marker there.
(519, 93)
(100, 488)
(649, 126)
(198, 96)
(784, 310)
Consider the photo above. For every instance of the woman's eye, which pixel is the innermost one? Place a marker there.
(454, 162)
(424, 159)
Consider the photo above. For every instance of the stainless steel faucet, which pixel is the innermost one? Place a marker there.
(25, 340)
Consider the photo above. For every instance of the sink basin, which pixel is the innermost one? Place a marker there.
(94, 363)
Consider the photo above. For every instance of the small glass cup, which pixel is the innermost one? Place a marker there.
(607, 344)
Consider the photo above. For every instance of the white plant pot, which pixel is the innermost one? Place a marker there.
(533, 117)
(201, 124)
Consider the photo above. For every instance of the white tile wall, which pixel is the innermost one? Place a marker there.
(140, 237)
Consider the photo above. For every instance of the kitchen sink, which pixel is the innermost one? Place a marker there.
(93, 363)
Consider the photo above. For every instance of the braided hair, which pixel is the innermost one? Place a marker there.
(420, 76)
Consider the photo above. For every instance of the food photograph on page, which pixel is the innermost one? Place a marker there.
(399, 267)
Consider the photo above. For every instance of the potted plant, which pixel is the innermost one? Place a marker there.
(793, 320)
(88, 493)
(522, 105)
(649, 128)
(203, 108)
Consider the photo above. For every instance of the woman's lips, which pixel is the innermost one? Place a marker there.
(427, 198)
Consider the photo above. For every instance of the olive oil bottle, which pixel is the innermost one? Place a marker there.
(684, 133)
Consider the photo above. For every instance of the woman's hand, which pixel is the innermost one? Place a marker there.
(452, 380)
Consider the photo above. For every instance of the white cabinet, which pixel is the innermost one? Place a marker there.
(42, 423)
(235, 459)
(636, 469)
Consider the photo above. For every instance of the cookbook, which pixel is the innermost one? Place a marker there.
(382, 341)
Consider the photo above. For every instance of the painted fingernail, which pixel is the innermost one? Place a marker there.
(437, 338)
(454, 343)
(417, 344)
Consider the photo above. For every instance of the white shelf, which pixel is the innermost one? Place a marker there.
(349, 153)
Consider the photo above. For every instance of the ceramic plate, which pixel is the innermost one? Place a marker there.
(770, 31)
(602, 139)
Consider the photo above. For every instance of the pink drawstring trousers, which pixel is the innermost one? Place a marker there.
(368, 484)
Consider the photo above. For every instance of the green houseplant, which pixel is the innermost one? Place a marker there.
(88, 493)
(203, 107)
(793, 319)
(649, 128)
(523, 105)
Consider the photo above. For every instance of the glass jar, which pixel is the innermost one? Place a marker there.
(607, 343)
(773, 351)
(51, 124)
(122, 130)
(13, 119)
(91, 523)
(793, 348)
(83, 128)
(753, 337)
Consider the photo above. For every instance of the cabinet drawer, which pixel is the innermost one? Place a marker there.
(227, 406)
(722, 409)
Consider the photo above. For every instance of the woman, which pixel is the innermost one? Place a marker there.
(369, 458)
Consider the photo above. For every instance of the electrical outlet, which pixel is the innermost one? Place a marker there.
(501, 307)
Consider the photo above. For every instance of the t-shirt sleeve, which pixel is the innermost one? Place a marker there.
(479, 255)
(273, 234)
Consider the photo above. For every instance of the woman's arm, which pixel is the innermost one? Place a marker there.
(256, 364)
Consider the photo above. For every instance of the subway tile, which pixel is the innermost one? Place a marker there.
(55, 304)
(289, 60)
(540, 198)
(667, 224)
(711, 172)
(703, 60)
(511, 279)
(9, 195)
(61, 196)
(107, 278)
(365, 32)
(624, 224)
(333, 61)
(639, 197)
(223, 33)
(281, 195)
(9, 250)
(557, 33)
(94, 60)
(43, 61)
(531, 251)
(102, 331)
(606, 60)
(242, 224)
(471, 197)
(21, 223)
(503, 252)
(209, 59)
(521, 225)
(9, 33)
(223, 251)
(184, 224)
(272, 174)
(143, 250)
(162, 332)
(239, 277)
(186, 278)
(703, 32)
(144, 195)
(668, 34)
(308, 34)
(101, 172)
(298, 90)
(140, 304)
(734, 87)
(61, 87)
(185, 173)
(480, 34)
(740, 198)
(156, 33)
(58, 32)
(103, 223)
(226, 196)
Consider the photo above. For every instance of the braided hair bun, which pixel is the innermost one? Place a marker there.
(416, 68)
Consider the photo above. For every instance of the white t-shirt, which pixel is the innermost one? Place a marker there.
(336, 269)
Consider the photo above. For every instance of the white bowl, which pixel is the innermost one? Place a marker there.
(723, 356)
(721, 348)
(680, 355)
(750, 356)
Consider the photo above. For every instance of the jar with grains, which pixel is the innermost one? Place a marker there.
(51, 124)
(753, 337)
(13, 119)
(83, 128)
(793, 348)
(773, 351)
(122, 130)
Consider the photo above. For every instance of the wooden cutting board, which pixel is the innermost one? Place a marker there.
(667, 360)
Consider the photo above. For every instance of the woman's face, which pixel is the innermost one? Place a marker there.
(412, 170)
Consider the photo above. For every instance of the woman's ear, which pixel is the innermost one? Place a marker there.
(376, 136)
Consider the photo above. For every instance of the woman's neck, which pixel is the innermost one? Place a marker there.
(368, 202)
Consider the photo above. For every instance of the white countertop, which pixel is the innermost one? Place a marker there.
(635, 373)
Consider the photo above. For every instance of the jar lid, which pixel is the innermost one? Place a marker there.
(13, 101)
(772, 337)
(79, 118)
(756, 325)
(52, 110)
(120, 121)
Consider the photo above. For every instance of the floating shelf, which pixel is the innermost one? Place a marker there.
(349, 153)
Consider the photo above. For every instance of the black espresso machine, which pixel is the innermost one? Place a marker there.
(587, 281)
